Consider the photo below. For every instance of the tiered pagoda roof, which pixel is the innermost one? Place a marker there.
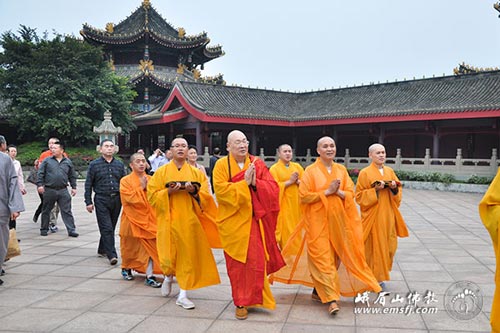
(448, 97)
(146, 20)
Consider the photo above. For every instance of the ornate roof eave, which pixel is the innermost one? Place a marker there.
(213, 52)
(190, 42)
(104, 37)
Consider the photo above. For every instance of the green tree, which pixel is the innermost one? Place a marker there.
(60, 86)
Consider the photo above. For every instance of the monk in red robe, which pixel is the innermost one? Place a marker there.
(379, 193)
(489, 210)
(248, 198)
(331, 257)
(138, 225)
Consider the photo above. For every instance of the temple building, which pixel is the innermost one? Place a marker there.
(440, 113)
(152, 54)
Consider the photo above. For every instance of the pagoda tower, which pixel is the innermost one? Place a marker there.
(152, 54)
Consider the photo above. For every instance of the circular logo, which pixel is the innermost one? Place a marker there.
(463, 300)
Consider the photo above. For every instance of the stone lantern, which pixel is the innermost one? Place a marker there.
(107, 130)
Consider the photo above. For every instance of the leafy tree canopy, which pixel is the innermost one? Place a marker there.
(60, 86)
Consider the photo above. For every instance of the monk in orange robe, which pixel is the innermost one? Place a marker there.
(287, 174)
(331, 257)
(248, 209)
(489, 210)
(378, 193)
(138, 225)
(185, 213)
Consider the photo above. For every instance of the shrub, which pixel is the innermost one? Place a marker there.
(27, 153)
(475, 179)
(437, 177)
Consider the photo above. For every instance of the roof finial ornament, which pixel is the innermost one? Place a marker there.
(110, 27)
(146, 4)
(182, 32)
(497, 7)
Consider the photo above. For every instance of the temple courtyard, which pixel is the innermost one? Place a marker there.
(58, 284)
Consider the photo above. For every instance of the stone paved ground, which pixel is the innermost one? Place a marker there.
(58, 284)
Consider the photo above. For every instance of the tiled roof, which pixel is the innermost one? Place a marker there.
(163, 76)
(472, 93)
(146, 19)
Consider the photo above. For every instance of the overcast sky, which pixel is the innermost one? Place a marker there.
(302, 45)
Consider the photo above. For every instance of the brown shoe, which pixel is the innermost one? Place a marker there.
(241, 313)
(333, 308)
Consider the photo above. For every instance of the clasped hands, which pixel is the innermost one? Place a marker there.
(333, 187)
(294, 179)
(250, 175)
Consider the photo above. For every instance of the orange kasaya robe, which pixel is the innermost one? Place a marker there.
(186, 227)
(137, 226)
(247, 224)
(331, 256)
(290, 213)
(489, 211)
(382, 222)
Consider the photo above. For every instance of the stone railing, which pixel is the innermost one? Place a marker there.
(461, 168)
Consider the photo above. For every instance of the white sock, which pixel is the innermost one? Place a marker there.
(149, 269)
(182, 294)
(168, 278)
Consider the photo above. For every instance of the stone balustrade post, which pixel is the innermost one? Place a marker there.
(347, 157)
(458, 159)
(493, 163)
(261, 154)
(427, 158)
(206, 158)
(308, 156)
(397, 164)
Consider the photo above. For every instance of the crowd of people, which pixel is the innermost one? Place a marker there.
(282, 224)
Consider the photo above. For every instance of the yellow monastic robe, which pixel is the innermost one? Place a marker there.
(186, 227)
(290, 212)
(381, 219)
(331, 256)
(489, 210)
(137, 227)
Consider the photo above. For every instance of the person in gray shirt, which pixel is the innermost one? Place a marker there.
(11, 201)
(53, 177)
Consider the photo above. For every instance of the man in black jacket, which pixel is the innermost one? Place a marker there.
(53, 177)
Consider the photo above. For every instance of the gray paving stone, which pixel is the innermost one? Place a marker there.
(102, 322)
(59, 275)
(37, 320)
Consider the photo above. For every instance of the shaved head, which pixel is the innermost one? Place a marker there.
(374, 147)
(323, 139)
(136, 156)
(235, 135)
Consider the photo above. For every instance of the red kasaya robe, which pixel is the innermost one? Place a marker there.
(247, 223)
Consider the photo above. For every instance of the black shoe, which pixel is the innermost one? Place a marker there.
(2, 273)
(43, 233)
(73, 234)
(1, 282)
(151, 281)
(113, 261)
(127, 274)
